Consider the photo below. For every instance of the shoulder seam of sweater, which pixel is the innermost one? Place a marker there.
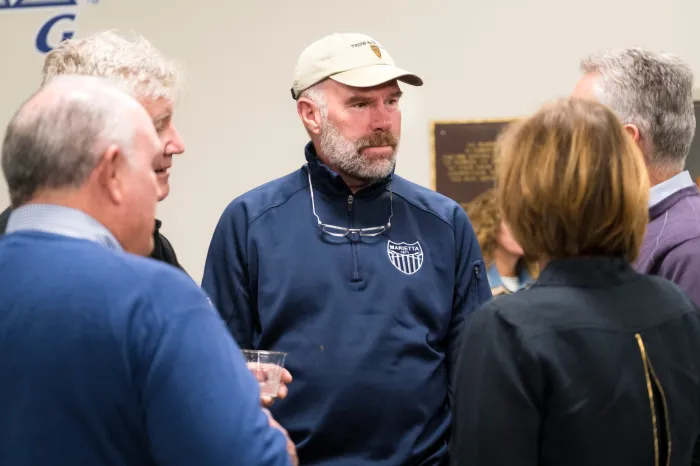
(402, 196)
(273, 206)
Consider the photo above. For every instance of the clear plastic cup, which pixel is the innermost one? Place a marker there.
(267, 367)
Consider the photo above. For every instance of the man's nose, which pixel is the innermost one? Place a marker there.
(381, 119)
(175, 144)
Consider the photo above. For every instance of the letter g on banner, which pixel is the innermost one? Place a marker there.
(42, 37)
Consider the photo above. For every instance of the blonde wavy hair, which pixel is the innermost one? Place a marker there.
(485, 216)
(484, 212)
(132, 63)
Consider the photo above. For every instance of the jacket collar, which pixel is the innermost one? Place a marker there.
(592, 271)
(328, 181)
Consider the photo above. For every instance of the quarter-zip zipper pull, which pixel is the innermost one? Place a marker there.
(350, 199)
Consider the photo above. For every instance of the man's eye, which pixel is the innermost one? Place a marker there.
(361, 105)
(161, 124)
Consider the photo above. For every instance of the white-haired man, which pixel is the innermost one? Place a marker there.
(155, 82)
(652, 93)
(363, 277)
(109, 358)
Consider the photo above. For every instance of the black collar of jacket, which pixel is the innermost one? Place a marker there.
(590, 271)
(329, 182)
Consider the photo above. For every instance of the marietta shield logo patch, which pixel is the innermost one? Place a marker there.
(376, 51)
(408, 258)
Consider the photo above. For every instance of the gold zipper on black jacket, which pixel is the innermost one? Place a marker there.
(651, 377)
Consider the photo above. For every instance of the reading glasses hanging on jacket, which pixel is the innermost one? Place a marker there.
(334, 230)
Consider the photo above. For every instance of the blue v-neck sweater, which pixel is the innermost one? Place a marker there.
(112, 359)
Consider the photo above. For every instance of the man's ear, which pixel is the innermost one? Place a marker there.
(310, 115)
(111, 173)
(633, 131)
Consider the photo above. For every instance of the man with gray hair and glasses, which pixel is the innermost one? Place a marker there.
(155, 81)
(109, 358)
(652, 95)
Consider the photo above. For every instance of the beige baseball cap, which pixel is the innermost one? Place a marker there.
(352, 59)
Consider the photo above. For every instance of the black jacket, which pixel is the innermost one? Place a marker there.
(595, 364)
(162, 250)
(4, 218)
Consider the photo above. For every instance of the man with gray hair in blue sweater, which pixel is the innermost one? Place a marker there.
(109, 358)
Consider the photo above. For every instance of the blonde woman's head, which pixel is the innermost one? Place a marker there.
(571, 182)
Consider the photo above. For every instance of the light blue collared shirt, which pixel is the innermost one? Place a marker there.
(61, 220)
(496, 281)
(662, 190)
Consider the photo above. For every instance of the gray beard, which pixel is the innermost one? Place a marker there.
(344, 155)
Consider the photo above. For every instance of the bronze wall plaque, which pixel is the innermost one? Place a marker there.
(462, 157)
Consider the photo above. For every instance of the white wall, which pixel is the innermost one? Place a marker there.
(488, 59)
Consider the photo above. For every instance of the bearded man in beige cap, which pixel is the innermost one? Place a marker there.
(361, 276)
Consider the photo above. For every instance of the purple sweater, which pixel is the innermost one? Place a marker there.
(671, 247)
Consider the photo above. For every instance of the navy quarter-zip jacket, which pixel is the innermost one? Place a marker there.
(371, 324)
